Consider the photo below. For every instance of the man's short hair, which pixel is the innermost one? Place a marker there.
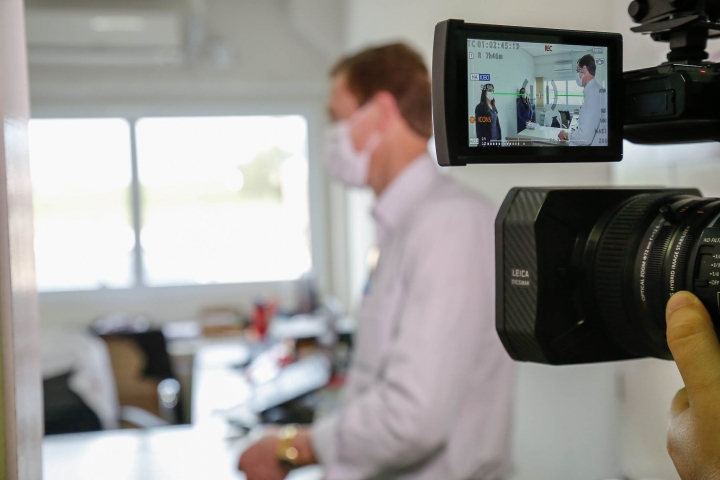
(397, 69)
(589, 62)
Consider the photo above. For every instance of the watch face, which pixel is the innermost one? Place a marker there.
(287, 454)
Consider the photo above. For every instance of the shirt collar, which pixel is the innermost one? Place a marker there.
(403, 193)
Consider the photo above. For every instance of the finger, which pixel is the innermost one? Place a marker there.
(679, 403)
(693, 343)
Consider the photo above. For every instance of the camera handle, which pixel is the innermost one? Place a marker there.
(685, 24)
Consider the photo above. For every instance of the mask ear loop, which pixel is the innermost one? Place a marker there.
(372, 143)
(376, 137)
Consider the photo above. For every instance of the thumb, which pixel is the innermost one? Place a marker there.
(693, 343)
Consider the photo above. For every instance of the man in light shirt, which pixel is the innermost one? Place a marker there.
(592, 126)
(429, 391)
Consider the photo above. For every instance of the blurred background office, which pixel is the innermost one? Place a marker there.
(182, 215)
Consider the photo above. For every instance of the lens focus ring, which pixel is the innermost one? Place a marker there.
(615, 252)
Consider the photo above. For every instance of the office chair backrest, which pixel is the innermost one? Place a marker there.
(140, 363)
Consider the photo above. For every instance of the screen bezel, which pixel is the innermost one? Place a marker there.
(456, 96)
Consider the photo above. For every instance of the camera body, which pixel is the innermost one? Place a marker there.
(672, 103)
(583, 275)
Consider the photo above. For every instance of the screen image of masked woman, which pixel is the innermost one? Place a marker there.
(487, 123)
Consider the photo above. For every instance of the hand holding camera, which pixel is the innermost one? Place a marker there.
(693, 441)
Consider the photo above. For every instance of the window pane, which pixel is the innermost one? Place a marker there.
(225, 199)
(81, 177)
(561, 91)
(576, 94)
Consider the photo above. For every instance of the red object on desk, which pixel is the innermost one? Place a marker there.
(264, 311)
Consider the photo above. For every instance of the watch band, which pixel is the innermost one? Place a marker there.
(287, 453)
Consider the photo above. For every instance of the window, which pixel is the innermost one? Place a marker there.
(224, 199)
(219, 200)
(576, 93)
(564, 92)
(561, 86)
(81, 174)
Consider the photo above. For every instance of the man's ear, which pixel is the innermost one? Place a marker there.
(389, 110)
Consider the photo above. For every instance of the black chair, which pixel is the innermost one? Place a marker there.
(65, 411)
(156, 370)
(566, 118)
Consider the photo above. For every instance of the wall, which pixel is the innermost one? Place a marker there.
(566, 419)
(260, 57)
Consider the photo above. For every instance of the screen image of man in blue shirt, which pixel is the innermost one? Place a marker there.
(592, 124)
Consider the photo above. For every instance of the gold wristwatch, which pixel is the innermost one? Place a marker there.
(287, 454)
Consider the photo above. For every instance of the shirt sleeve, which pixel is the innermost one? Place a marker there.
(590, 115)
(408, 415)
(324, 439)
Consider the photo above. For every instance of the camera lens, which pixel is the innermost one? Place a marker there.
(645, 250)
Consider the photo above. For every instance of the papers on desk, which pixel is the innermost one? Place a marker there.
(531, 126)
(299, 326)
(543, 136)
(289, 383)
(300, 378)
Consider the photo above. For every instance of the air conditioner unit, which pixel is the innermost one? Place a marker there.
(563, 67)
(104, 37)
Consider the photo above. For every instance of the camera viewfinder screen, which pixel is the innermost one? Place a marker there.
(524, 94)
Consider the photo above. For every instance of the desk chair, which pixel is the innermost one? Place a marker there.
(141, 365)
(551, 119)
(65, 411)
(565, 118)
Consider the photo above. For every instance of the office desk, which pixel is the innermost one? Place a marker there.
(217, 384)
(544, 135)
(199, 451)
(166, 453)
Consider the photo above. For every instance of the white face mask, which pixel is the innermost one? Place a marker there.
(490, 97)
(344, 163)
(579, 79)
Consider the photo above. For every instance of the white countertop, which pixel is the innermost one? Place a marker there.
(544, 135)
(164, 453)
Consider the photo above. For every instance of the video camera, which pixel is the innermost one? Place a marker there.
(583, 275)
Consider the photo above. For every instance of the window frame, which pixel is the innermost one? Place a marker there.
(317, 188)
(567, 93)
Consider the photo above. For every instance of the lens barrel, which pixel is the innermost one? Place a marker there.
(645, 250)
